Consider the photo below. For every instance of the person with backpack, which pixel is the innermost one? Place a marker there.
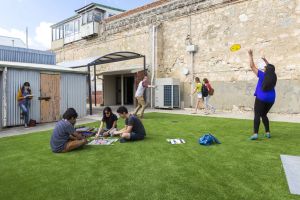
(198, 90)
(265, 95)
(208, 91)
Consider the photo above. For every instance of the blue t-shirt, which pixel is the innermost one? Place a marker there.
(265, 96)
(61, 134)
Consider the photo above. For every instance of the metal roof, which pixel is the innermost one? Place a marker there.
(77, 63)
(98, 5)
(116, 57)
(108, 58)
(12, 42)
(40, 67)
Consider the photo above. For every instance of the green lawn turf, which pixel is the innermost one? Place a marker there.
(237, 169)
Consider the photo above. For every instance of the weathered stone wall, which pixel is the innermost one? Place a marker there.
(270, 27)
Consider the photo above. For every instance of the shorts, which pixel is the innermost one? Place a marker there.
(199, 95)
(134, 136)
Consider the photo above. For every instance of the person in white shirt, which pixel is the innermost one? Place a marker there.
(139, 95)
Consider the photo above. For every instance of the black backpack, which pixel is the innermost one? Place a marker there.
(204, 91)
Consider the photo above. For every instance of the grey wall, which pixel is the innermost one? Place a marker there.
(15, 79)
(109, 90)
(73, 93)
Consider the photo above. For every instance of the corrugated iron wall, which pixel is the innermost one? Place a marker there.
(15, 79)
(1, 84)
(73, 93)
(16, 54)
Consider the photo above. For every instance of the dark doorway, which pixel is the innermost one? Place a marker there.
(118, 90)
(128, 90)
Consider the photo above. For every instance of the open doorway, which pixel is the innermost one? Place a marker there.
(128, 88)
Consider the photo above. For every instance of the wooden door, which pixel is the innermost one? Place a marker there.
(50, 97)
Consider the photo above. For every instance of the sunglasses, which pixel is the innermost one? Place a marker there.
(107, 113)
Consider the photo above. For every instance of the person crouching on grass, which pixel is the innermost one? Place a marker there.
(64, 137)
(134, 129)
(110, 119)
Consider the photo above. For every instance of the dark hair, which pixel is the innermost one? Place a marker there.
(23, 87)
(197, 79)
(122, 109)
(107, 109)
(205, 80)
(70, 113)
(270, 78)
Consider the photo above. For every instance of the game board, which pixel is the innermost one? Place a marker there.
(103, 141)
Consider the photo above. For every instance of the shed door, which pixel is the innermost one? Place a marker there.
(50, 97)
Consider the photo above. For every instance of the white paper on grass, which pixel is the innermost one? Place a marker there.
(291, 165)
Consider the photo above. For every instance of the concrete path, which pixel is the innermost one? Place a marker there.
(291, 165)
(7, 132)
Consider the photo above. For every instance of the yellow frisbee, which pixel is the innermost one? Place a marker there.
(235, 47)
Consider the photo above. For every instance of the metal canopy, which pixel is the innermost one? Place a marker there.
(116, 57)
(109, 58)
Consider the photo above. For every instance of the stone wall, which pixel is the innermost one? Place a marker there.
(270, 27)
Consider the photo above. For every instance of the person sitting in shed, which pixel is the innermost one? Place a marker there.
(64, 137)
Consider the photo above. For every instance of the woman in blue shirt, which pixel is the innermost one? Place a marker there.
(265, 95)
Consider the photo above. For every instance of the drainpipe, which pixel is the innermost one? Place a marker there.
(154, 38)
(193, 77)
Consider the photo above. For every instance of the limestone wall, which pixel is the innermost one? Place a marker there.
(270, 27)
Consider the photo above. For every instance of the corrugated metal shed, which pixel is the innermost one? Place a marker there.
(16, 54)
(73, 89)
(73, 93)
(15, 80)
(1, 85)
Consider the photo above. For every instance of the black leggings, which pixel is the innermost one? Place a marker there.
(261, 110)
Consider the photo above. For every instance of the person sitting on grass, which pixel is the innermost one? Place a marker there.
(134, 129)
(64, 137)
(110, 119)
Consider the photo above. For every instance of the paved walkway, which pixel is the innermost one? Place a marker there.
(7, 132)
(295, 118)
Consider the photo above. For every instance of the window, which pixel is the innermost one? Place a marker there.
(61, 32)
(57, 33)
(77, 26)
(53, 34)
(69, 29)
(90, 17)
(84, 18)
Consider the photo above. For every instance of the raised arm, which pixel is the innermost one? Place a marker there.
(252, 65)
(264, 58)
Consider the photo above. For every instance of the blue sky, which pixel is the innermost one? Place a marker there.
(38, 15)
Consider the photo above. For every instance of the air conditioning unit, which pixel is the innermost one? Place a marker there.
(167, 93)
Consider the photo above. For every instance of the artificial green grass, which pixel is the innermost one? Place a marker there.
(152, 169)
